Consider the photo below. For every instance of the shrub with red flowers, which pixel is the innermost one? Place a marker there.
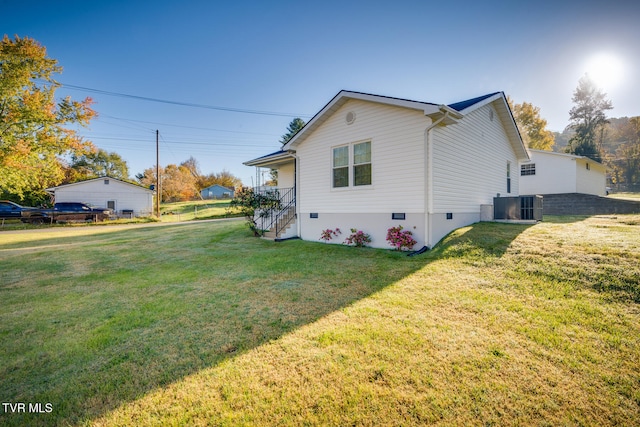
(357, 238)
(329, 234)
(400, 240)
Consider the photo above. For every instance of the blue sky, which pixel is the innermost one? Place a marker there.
(289, 58)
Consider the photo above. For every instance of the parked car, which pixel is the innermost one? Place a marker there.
(10, 210)
(67, 212)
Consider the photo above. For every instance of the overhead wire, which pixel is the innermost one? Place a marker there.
(191, 145)
(181, 103)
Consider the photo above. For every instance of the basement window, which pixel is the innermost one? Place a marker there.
(399, 216)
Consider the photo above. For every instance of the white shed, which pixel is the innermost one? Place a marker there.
(120, 196)
(559, 173)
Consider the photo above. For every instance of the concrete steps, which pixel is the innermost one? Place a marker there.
(286, 220)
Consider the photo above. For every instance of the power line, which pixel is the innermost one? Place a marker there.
(185, 127)
(184, 104)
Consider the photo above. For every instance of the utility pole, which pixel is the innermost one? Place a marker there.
(158, 189)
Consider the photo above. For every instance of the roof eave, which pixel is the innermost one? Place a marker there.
(271, 160)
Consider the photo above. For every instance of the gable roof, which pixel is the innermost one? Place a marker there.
(451, 113)
(429, 109)
(218, 185)
(136, 186)
(499, 101)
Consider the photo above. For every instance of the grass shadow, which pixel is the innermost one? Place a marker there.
(106, 318)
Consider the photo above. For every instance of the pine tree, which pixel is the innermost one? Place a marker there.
(588, 119)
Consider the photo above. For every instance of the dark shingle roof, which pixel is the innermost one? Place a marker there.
(459, 106)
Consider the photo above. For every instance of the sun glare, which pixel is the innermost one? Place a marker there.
(606, 70)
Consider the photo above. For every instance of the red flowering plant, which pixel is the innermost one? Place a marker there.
(328, 234)
(358, 238)
(400, 240)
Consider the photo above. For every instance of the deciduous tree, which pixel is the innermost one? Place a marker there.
(97, 164)
(34, 126)
(532, 127)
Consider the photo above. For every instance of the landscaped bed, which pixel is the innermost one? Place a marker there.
(203, 324)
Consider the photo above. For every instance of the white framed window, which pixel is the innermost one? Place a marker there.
(362, 163)
(351, 165)
(528, 169)
(341, 167)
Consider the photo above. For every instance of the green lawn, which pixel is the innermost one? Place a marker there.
(626, 196)
(201, 324)
(201, 209)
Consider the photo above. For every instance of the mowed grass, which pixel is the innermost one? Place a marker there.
(626, 196)
(202, 324)
(199, 209)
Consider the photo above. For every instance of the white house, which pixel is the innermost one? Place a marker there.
(559, 173)
(373, 162)
(120, 196)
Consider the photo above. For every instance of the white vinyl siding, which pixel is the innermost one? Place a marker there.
(396, 137)
(557, 173)
(479, 141)
(96, 192)
(592, 179)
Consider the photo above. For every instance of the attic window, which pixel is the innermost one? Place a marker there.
(588, 167)
(491, 115)
(106, 182)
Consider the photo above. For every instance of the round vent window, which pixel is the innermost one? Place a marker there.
(350, 117)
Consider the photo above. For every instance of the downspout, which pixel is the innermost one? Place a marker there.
(295, 191)
(428, 164)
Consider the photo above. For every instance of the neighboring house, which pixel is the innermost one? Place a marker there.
(559, 173)
(217, 192)
(372, 162)
(122, 197)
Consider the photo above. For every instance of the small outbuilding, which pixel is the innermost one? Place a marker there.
(124, 198)
(217, 191)
(559, 173)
